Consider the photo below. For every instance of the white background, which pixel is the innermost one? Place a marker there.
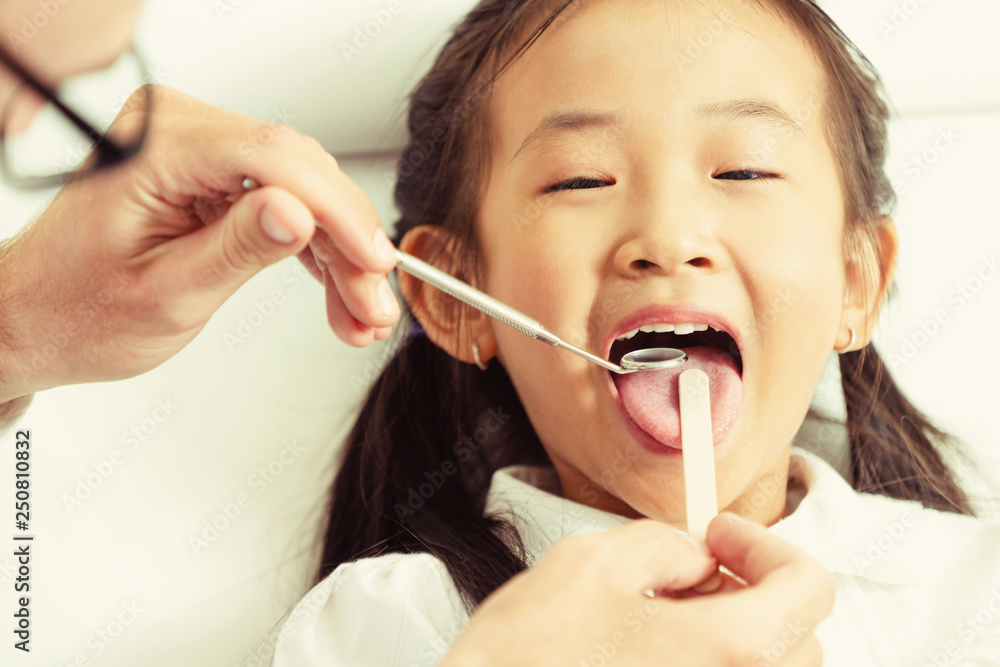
(293, 380)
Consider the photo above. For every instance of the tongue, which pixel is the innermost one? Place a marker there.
(652, 400)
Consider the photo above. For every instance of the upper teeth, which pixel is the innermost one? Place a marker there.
(680, 329)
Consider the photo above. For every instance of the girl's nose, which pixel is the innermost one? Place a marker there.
(667, 246)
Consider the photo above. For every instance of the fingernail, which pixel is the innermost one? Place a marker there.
(274, 229)
(710, 585)
(386, 299)
(384, 248)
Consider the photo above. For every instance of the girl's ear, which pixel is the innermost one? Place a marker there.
(450, 324)
(868, 283)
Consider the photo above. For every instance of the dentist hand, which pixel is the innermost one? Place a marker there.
(125, 266)
(582, 603)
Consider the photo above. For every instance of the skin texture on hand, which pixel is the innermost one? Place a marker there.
(584, 598)
(125, 266)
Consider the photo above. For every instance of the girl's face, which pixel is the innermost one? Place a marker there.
(624, 143)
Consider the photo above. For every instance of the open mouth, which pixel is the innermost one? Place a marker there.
(709, 337)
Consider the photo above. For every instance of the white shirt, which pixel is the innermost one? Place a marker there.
(915, 586)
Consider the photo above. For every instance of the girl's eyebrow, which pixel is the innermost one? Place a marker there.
(734, 110)
(750, 109)
(561, 121)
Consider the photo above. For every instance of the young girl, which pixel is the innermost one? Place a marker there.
(607, 167)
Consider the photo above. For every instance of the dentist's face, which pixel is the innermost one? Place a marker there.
(639, 191)
(58, 40)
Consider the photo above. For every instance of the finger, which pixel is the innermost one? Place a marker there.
(368, 296)
(728, 585)
(780, 576)
(753, 553)
(309, 261)
(205, 151)
(341, 207)
(341, 321)
(258, 230)
(644, 554)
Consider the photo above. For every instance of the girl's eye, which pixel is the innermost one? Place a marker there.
(745, 175)
(577, 184)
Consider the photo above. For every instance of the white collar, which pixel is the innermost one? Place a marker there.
(849, 533)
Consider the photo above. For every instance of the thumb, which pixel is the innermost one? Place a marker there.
(754, 553)
(260, 228)
(648, 554)
(783, 578)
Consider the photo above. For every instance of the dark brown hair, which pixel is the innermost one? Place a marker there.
(418, 461)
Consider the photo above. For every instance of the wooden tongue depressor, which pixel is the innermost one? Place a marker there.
(699, 460)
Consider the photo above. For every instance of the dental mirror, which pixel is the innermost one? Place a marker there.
(653, 359)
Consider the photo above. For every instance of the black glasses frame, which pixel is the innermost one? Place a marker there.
(109, 152)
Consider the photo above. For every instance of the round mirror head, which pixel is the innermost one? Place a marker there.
(653, 359)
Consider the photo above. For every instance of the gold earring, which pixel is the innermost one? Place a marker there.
(849, 345)
(475, 355)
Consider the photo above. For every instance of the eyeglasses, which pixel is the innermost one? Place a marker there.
(73, 133)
